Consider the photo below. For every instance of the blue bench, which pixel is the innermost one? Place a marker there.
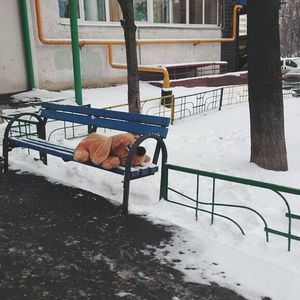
(148, 127)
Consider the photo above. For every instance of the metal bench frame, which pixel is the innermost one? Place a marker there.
(148, 127)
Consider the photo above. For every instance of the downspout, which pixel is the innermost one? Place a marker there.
(75, 52)
(27, 44)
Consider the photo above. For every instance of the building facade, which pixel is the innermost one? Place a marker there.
(100, 20)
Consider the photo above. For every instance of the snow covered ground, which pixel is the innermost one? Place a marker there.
(216, 141)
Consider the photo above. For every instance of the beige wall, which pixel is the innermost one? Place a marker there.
(12, 63)
(53, 64)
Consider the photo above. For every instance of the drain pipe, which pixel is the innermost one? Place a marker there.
(75, 52)
(27, 44)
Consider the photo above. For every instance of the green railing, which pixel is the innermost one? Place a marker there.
(168, 106)
(198, 206)
(194, 104)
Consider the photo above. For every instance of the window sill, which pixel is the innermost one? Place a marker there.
(81, 23)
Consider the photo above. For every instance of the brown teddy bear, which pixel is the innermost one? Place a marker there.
(109, 152)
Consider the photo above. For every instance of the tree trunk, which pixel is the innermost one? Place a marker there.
(131, 55)
(268, 148)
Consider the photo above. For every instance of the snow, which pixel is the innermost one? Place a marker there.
(216, 141)
(190, 64)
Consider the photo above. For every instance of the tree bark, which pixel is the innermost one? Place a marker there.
(290, 28)
(131, 55)
(268, 149)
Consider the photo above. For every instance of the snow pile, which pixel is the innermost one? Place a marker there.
(219, 142)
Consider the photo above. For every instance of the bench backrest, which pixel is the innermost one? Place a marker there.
(123, 121)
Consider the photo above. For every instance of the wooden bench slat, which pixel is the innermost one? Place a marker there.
(51, 145)
(67, 155)
(118, 115)
(127, 126)
(26, 143)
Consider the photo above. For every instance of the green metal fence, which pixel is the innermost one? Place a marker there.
(200, 206)
(175, 107)
(194, 104)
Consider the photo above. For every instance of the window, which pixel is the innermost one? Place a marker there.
(211, 8)
(115, 13)
(179, 11)
(64, 8)
(94, 10)
(194, 12)
(161, 11)
(140, 10)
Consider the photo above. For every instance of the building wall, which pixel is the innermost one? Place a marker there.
(12, 63)
(53, 64)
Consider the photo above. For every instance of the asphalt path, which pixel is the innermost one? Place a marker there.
(59, 242)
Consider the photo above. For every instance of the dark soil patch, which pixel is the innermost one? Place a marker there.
(59, 242)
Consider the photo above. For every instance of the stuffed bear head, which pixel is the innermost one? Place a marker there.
(109, 152)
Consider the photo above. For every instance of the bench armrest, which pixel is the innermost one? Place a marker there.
(39, 122)
(160, 146)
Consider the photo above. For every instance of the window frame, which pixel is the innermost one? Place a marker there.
(150, 16)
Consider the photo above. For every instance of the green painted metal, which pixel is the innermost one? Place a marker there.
(204, 210)
(292, 216)
(289, 236)
(75, 51)
(289, 213)
(194, 104)
(164, 183)
(27, 44)
(221, 98)
(251, 182)
(277, 189)
(213, 201)
(197, 198)
(221, 204)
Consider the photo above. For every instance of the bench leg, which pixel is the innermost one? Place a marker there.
(5, 155)
(126, 188)
(43, 158)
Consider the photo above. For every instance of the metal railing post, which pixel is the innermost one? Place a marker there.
(75, 52)
(172, 109)
(221, 98)
(163, 194)
(27, 44)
